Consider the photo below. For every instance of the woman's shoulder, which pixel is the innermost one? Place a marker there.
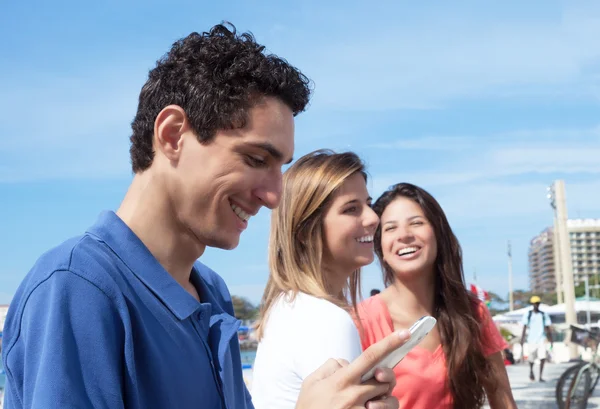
(374, 303)
(373, 310)
(312, 319)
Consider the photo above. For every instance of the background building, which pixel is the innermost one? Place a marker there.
(541, 262)
(585, 248)
(584, 235)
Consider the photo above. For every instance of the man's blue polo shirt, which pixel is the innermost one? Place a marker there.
(98, 323)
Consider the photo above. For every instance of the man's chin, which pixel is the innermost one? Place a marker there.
(225, 243)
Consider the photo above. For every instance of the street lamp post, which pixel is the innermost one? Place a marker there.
(556, 247)
(510, 280)
(558, 201)
(557, 266)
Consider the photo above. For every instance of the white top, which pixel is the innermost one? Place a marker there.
(299, 337)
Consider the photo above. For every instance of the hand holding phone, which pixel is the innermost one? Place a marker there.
(322, 389)
(418, 331)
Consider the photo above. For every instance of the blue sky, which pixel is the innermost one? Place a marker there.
(483, 107)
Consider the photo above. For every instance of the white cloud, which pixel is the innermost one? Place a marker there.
(420, 63)
(516, 139)
(57, 127)
(546, 160)
(475, 159)
(495, 202)
(99, 160)
(426, 63)
(429, 143)
(62, 111)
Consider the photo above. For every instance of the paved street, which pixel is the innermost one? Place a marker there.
(536, 395)
(529, 395)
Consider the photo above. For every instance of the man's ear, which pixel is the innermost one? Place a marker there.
(170, 125)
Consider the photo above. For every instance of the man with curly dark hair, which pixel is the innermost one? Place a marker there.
(124, 316)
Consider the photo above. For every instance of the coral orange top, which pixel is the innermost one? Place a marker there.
(421, 375)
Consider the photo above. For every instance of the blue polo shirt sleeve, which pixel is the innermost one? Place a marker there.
(68, 351)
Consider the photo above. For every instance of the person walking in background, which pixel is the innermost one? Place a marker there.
(536, 330)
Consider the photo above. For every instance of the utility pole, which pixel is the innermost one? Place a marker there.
(510, 279)
(558, 200)
(557, 266)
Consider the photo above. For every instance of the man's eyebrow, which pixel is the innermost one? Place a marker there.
(272, 150)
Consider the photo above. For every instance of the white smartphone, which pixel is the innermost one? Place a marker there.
(418, 331)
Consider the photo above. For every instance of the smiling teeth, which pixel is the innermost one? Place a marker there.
(365, 239)
(407, 250)
(240, 213)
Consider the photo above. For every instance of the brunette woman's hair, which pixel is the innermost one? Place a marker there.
(456, 309)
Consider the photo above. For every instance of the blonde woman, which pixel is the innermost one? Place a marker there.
(321, 235)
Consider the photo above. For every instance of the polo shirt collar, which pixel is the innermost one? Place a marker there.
(110, 229)
(208, 296)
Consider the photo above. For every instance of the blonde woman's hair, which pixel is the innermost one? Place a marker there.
(296, 240)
